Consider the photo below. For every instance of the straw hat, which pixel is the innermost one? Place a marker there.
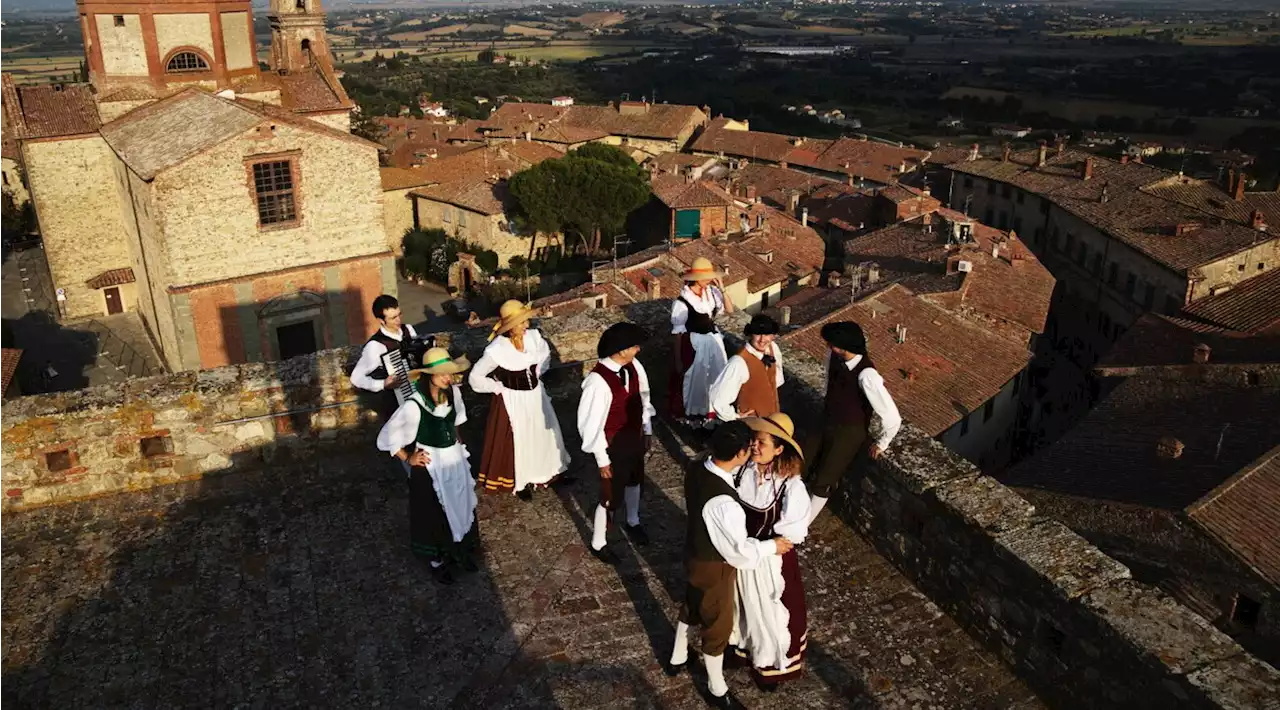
(511, 314)
(778, 424)
(702, 270)
(438, 362)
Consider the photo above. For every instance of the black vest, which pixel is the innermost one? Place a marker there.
(699, 322)
(846, 403)
(700, 486)
(380, 372)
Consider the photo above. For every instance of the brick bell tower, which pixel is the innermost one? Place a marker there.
(297, 35)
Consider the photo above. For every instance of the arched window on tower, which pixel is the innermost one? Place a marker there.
(302, 5)
(306, 51)
(186, 62)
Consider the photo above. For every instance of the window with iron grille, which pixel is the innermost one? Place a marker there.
(186, 61)
(273, 186)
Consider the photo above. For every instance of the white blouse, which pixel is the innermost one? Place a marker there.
(727, 527)
(872, 384)
(707, 303)
(793, 523)
(402, 429)
(502, 353)
(371, 359)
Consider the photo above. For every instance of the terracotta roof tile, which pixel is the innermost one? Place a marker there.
(113, 277)
(946, 369)
(1244, 515)
(676, 192)
(57, 110)
(475, 180)
(1161, 341)
(401, 178)
(576, 124)
(9, 359)
(1116, 454)
(1252, 306)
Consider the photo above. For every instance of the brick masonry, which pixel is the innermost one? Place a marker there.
(1068, 618)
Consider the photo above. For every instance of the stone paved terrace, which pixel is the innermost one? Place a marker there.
(293, 587)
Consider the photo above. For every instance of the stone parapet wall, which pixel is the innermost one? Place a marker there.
(1068, 618)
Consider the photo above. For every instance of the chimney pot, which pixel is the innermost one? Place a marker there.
(1042, 155)
(1258, 221)
(1088, 168)
(973, 152)
(1200, 353)
(786, 315)
(1238, 194)
(655, 290)
(804, 216)
(1004, 157)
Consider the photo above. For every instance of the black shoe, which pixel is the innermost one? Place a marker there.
(525, 494)
(605, 555)
(724, 702)
(442, 574)
(468, 564)
(764, 687)
(637, 534)
(562, 480)
(673, 669)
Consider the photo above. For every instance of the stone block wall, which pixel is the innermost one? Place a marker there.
(1068, 618)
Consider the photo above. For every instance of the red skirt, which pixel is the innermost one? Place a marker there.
(797, 625)
(675, 384)
(498, 458)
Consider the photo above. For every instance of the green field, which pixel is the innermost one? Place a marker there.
(554, 52)
(35, 70)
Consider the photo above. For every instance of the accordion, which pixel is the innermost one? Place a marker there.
(405, 358)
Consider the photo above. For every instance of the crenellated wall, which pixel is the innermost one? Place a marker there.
(1068, 618)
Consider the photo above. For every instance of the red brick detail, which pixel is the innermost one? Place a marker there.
(13, 493)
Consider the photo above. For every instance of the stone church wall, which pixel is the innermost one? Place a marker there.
(1068, 618)
(237, 39)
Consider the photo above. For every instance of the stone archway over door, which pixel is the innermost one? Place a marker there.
(294, 324)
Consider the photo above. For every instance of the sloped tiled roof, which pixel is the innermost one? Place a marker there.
(1161, 341)
(53, 110)
(1249, 307)
(401, 178)
(1244, 515)
(676, 192)
(475, 180)
(9, 359)
(947, 367)
(113, 277)
(172, 130)
(1115, 452)
(579, 123)
(311, 90)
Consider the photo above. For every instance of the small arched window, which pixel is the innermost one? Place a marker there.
(186, 62)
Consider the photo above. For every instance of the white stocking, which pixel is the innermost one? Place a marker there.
(632, 496)
(598, 529)
(715, 675)
(680, 653)
(815, 506)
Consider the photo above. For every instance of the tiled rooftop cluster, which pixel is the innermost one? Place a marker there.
(1065, 616)
(581, 123)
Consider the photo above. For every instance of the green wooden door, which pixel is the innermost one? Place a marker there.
(688, 222)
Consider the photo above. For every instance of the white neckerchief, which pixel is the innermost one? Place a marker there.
(853, 361)
(705, 304)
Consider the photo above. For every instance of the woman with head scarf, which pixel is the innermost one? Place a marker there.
(523, 446)
(699, 346)
(772, 626)
(423, 432)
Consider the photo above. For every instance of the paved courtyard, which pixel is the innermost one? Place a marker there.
(293, 586)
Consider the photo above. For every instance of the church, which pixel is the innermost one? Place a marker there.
(229, 205)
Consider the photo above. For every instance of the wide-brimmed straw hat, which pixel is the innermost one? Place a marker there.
(777, 424)
(511, 314)
(438, 362)
(702, 270)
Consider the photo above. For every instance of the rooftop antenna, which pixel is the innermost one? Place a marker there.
(1221, 435)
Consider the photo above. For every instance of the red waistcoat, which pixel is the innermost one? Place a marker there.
(627, 410)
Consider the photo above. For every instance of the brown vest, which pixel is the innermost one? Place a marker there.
(700, 486)
(758, 393)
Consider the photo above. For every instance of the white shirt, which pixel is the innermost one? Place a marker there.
(371, 359)
(502, 353)
(872, 385)
(793, 523)
(727, 527)
(593, 409)
(724, 391)
(401, 429)
(707, 303)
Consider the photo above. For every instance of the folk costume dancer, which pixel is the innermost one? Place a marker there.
(523, 446)
(423, 433)
(699, 346)
(615, 419)
(717, 546)
(370, 374)
(772, 624)
(749, 384)
(855, 392)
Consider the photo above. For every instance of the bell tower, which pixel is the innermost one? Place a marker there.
(297, 35)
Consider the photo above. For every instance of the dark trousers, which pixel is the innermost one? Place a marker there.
(709, 603)
(830, 453)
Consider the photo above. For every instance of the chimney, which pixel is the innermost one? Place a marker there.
(751, 193)
(1258, 222)
(1042, 155)
(655, 290)
(804, 216)
(900, 334)
(786, 315)
(1103, 197)
(1088, 168)
(873, 273)
(833, 279)
(1060, 147)
(412, 133)
(1124, 160)
(1200, 354)
(973, 152)
(1238, 193)
(1231, 180)
(793, 202)
(1004, 157)
(926, 219)
(995, 250)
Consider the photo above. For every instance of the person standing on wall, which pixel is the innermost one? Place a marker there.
(749, 384)
(855, 392)
(615, 419)
(698, 344)
(423, 433)
(370, 374)
(523, 446)
(717, 545)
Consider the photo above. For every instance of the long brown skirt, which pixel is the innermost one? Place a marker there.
(498, 459)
